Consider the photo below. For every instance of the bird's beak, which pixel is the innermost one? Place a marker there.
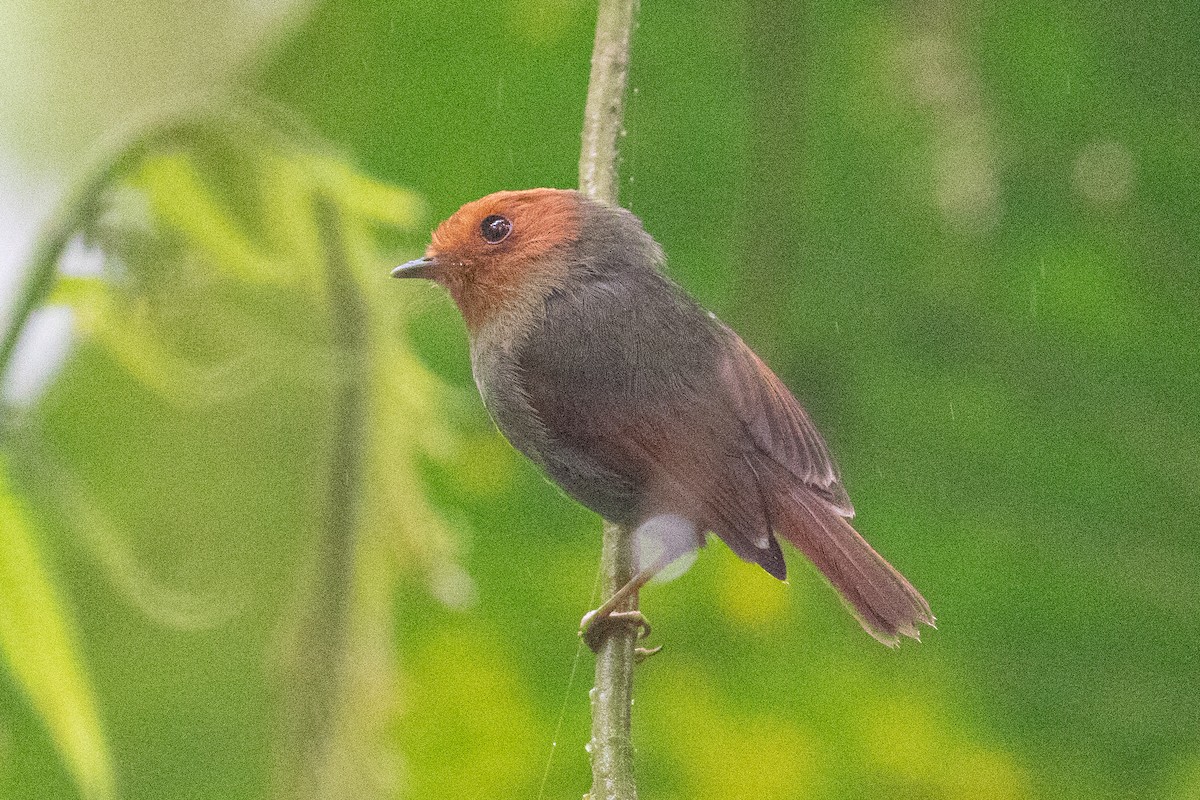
(417, 268)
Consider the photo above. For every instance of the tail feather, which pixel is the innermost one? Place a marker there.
(885, 603)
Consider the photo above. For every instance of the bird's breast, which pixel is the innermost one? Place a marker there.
(539, 409)
(495, 366)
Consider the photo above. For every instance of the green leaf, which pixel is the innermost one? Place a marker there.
(180, 198)
(364, 197)
(39, 644)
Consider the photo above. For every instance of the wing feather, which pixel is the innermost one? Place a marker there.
(652, 410)
(778, 425)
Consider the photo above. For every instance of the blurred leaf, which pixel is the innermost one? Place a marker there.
(178, 198)
(38, 642)
(366, 198)
(200, 331)
(216, 291)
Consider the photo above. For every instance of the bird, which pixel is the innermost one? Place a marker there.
(643, 406)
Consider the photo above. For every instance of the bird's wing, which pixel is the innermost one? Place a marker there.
(806, 501)
(777, 425)
(704, 429)
(649, 408)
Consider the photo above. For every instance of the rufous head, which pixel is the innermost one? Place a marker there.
(506, 250)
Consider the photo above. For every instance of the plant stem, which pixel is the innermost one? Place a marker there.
(74, 215)
(776, 236)
(612, 695)
(604, 115)
(315, 664)
(120, 155)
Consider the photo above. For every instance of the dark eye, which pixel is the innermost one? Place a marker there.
(495, 229)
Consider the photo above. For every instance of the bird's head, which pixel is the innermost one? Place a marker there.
(503, 252)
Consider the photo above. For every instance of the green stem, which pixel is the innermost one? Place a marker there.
(612, 696)
(604, 115)
(74, 215)
(315, 678)
(775, 235)
(86, 200)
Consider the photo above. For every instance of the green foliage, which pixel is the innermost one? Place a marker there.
(238, 271)
(38, 641)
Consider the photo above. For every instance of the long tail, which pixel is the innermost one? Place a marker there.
(884, 602)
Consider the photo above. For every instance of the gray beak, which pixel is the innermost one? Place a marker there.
(417, 268)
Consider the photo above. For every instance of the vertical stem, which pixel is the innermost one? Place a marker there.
(315, 668)
(604, 115)
(775, 238)
(78, 211)
(612, 695)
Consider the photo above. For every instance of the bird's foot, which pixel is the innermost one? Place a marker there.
(640, 654)
(594, 627)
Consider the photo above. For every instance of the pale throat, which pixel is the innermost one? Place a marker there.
(505, 305)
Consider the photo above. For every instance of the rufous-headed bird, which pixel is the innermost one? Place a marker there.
(643, 406)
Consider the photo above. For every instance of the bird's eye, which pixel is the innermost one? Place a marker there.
(495, 229)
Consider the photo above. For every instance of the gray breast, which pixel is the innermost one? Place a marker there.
(605, 348)
(504, 388)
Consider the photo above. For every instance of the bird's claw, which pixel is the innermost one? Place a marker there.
(640, 654)
(593, 629)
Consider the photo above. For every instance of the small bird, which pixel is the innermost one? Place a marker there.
(643, 406)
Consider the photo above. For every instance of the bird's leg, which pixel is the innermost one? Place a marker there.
(594, 623)
(660, 540)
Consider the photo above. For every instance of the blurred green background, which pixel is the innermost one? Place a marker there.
(965, 234)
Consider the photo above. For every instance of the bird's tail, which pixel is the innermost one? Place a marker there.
(884, 602)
